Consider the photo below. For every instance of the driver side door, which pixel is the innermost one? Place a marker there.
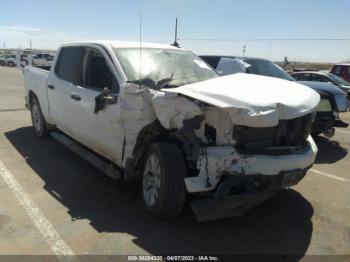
(102, 132)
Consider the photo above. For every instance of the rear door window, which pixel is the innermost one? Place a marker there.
(68, 63)
(319, 78)
(303, 77)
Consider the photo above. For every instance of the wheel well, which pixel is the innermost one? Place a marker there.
(155, 132)
(151, 133)
(31, 95)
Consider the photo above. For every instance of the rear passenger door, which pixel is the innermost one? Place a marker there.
(60, 84)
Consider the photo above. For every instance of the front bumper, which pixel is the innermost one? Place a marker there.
(214, 162)
(237, 194)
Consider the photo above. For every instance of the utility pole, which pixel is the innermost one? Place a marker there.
(4, 48)
(30, 44)
(244, 50)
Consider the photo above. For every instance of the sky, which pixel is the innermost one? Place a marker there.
(204, 26)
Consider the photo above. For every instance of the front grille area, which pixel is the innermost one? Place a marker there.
(285, 138)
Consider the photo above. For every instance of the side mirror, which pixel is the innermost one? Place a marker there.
(111, 98)
(104, 98)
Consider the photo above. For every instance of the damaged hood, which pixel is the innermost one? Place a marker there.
(253, 100)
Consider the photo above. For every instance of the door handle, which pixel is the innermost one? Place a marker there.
(75, 97)
(51, 87)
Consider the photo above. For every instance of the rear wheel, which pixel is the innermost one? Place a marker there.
(38, 121)
(163, 184)
(2, 63)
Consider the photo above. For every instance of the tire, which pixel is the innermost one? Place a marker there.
(11, 64)
(166, 179)
(38, 120)
(2, 63)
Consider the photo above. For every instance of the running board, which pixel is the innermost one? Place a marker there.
(101, 164)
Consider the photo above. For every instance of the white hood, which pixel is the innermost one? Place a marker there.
(253, 100)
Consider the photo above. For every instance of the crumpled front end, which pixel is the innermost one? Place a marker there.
(250, 123)
(218, 161)
(241, 144)
(242, 166)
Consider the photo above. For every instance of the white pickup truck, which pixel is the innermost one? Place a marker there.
(159, 113)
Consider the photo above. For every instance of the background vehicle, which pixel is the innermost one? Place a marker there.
(165, 121)
(2, 61)
(319, 76)
(342, 70)
(333, 100)
(11, 62)
(8, 60)
(43, 59)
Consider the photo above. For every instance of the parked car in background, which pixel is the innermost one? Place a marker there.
(43, 59)
(162, 119)
(8, 60)
(11, 61)
(342, 70)
(2, 60)
(333, 100)
(322, 76)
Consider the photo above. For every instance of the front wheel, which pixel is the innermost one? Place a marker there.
(163, 184)
(38, 120)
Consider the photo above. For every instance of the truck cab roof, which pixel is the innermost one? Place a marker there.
(123, 44)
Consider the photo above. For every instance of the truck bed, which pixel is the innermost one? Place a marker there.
(35, 80)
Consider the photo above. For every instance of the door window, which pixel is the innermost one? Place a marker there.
(68, 63)
(96, 73)
(319, 78)
(301, 77)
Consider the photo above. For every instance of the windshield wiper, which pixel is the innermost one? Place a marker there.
(165, 82)
(145, 82)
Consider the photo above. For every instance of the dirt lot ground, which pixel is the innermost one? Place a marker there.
(88, 213)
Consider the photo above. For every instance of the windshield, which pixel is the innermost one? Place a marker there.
(338, 80)
(266, 68)
(157, 64)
